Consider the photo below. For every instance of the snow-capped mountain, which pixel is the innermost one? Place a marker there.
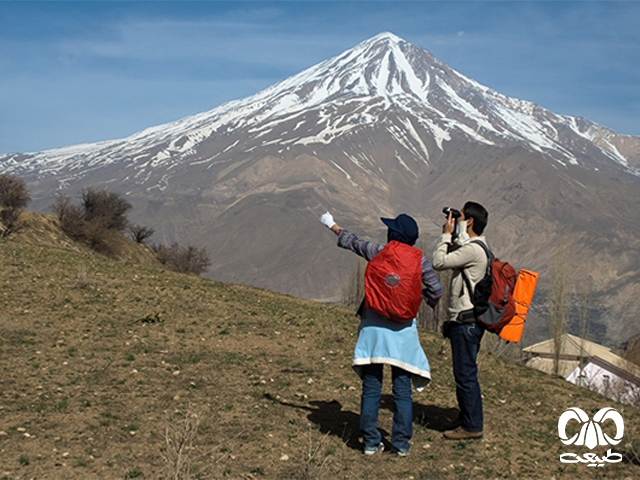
(382, 128)
(384, 84)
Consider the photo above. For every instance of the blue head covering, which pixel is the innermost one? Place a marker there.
(403, 229)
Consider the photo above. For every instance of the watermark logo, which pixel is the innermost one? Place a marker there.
(593, 433)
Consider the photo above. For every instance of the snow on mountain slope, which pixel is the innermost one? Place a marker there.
(382, 124)
(356, 90)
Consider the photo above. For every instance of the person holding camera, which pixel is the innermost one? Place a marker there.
(456, 250)
(392, 342)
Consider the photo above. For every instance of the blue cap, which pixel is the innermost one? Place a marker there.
(405, 226)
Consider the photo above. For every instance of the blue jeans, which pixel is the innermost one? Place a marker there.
(402, 429)
(465, 343)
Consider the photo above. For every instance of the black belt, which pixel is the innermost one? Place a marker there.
(468, 316)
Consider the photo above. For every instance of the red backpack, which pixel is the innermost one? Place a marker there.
(393, 282)
(493, 302)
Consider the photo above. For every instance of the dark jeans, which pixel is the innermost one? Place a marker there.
(402, 429)
(465, 343)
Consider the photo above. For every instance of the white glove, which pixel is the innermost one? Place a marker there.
(327, 219)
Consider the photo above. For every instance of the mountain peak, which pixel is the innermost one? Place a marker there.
(382, 66)
(383, 80)
(387, 37)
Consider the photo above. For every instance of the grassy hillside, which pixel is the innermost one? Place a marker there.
(117, 369)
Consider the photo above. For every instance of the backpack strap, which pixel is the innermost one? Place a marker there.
(490, 257)
(487, 250)
(467, 282)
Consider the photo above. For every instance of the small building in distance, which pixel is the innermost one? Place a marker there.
(588, 365)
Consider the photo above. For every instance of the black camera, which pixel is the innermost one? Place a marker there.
(455, 214)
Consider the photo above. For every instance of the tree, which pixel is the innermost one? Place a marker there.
(559, 303)
(583, 301)
(352, 292)
(106, 209)
(99, 220)
(190, 259)
(14, 196)
(140, 233)
(71, 218)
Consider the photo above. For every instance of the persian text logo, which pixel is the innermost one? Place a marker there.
(591, 435)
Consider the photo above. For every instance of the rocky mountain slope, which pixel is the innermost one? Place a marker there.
(381, 129)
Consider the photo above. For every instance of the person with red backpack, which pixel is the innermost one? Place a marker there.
(464, 254)
(388, 332)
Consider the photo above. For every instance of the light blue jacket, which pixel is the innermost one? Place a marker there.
(381, 340)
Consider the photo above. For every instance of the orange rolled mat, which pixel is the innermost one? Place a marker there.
(522, 294)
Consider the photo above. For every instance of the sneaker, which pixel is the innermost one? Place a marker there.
(372, 451)
(402, 453)
(461, 434)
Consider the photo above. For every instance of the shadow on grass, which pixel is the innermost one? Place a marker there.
(344, 424)
(436, 418)
(331, 419)
(431, 417)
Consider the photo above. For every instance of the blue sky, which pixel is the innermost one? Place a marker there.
(85, 71)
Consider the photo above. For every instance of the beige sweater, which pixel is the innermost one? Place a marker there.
(470, 257)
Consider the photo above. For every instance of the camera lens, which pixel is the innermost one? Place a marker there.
(454, 213)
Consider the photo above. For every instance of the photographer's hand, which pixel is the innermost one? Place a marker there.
(450, 226)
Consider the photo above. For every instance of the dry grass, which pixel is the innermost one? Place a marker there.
(179, 437)
(92, 390)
